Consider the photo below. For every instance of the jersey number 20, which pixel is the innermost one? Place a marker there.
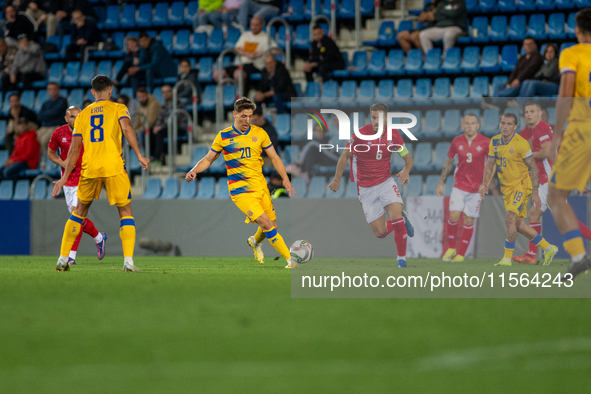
(96, 125)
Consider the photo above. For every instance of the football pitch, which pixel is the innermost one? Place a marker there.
(228, 325)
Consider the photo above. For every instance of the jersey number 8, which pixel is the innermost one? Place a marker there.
(96, 124)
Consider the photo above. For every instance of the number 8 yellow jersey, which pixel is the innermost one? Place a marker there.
(98, 125)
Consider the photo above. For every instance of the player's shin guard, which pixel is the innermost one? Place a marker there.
(573, 243)
(466, 238)
(127, 234)
(400, 238)
(71, 231)
(452, 231)
(389, 228)
(88, 227)
(278, 243)
(533, 248)
(585, 231)
(259, 236)
(509, 248)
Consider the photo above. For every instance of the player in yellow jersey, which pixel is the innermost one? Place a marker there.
(242, 145)
(518, 176)
(99, 127)
(571, 152)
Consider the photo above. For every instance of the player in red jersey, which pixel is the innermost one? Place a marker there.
(539, 135)
(370, 169)
(471, 149)
(62, 139)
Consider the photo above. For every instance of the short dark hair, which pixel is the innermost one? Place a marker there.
(124, 97)
(258, 111)
(244, 103)
(131, 38)
(583, 19)
(141, 89)
(536, 103)
(185, 60)
(101, 83)
(379, 107)
(53, 83)
(512, 116)
(317, 27)
(144, 35)
(471, 114)
(530, 38)
(14, 94)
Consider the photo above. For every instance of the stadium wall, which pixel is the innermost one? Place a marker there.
(335, 227)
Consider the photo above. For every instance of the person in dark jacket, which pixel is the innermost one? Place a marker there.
(85, 33)
(155, 62)
(160, 129)
(545, 81)
(51, 115)
(259, 120)
(185, 93)
(450, 23)
(16, 25)
(325, 56)
(132, 58)
(276, 85)
(63, 12)
(16, 112)
(526, 68)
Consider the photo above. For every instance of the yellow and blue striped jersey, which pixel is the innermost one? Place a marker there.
(242, 154)
(511, 168)
(98, 125)
(577, 59)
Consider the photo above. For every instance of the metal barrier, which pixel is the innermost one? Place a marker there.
(192, 126)
(357, 24)
(376, 6)
(219, 110)
(287, 38)
(173, 135)
(333, 18)
(219, 102)
(39, 177)
(126, 148)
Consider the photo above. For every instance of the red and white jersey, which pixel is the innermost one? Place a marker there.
(472, 156)
(61, 139)
(541, 133)
(370, 163)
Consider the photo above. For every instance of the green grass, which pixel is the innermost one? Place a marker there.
(228, 325)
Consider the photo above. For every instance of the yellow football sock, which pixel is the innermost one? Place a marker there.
(127, 235)
(573, 243)
(71, 231)
(277, 242)
(509, 248)
(259, 236)
(542, 243)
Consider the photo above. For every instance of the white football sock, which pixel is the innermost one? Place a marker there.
(73, 254)
(128, 260)
(578, 257)
(98, 238)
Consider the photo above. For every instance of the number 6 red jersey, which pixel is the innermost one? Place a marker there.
(472, 158)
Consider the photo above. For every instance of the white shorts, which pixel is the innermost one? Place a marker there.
(71, 197)
(469, 203)
(543, 193)
(374, 199)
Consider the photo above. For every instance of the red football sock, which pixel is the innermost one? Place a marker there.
(585, 231)
(400, 237)
(389, 228)
(466, 237)
(533, 248)
(88, 228)
(452, 231)
(76, 242)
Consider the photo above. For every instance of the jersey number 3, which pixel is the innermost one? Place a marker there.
(96, 127)
(469, 158)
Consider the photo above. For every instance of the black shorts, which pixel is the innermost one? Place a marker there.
(248, 68)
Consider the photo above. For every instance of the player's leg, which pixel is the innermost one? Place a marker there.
(537, 239)
(456, 206)
(374, 211)
(72, 230)
(275, 239)
(467, 233)
(71, 202)
(533, 216)
(394, 210)
(266, 204)
(87, 226)
(511, 226)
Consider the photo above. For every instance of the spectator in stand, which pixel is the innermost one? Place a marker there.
(325, 56)
(28, 65)
(155, 62)
(276, 85)
(252, 46)
(185, 93)
(16, 25)
(264, 9)
(42, 11)
(450, 23)
(545, 81)
(7, 54)
(208, 14)
(526, 68)
(259, 120)
(160, 129)
(229, 12)
(276, 188)
(408, 38)
(51, 115)
(311, 156)
(149, 107)
(26, 152)
(64, 10)
(130, 103)
(86, 103)
(85, 33)
(16, 112)
(131, 59)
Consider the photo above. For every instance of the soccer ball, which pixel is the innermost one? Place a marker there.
(301, 251)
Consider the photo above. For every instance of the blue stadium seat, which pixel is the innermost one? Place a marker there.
(498, 80)
(112, 18)
(526, 5)
(3, 154)
(367, 7)
(231, 39)
(441, 89)
(551, 115)
(192, 7)
(76, 98)
(27, 100)
(451, 122)
(565, 45)
(280, 38)
(308, 9)
(216, 41)
(344, 72)
(387, 34)
(449, 184)
(290, 154)
(153, 189)
(144, 15)
(543, 5)
(563, 4)
(498, 28)
(367, 93)
(414, 62)
(475, 111)
(222, 190)
(487, 6)
(160, 15)
(317, 187)
(72, 72)
(206, 188)
(188, 190)
(359, 63)
(127, 17)
(205, 69)
(489, 125)
(537, 26)
(556, 24)
(330, 91)
(209, 98)
(40, 192)
(299, 184)
(507, 5)
(87, 72)
(433, 61)
(405, 25)
(416, 130)
(480, 87)
(351, 190)
(472, 5)
(432, 126)
(470, 59)
(440, 158)
(461, 91)
(508, 57)
(21, 190)
(6, 106)
(517, 28)
(57, 41)
(431, 185)
(377, 63)
(199, 44)
(570, 25)
(385, 88)
(480, 25)
(451, 63)
(414, 188)
(182, 43)
(166, 37)
(283, 126)
(490, 59)
(422, 91)
(348, 93)
(301, 39)
(395, 65)
(582, 3)
(6, 190)
(56, 73)
(299, 129)
(104, 68)
(177, 14)
(342, 189)
(403, 90)
(347, 9)
(2, 135)
(229, 95)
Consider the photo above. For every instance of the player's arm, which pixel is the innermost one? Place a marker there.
(278, 164)
(202, 165)
(449, 163)
(563, 106)
(545, 150)
(408, 162)
(71, 160)
(51, 155)
(131, 138)
(341, 165)
(535, 181)
(489, 169)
